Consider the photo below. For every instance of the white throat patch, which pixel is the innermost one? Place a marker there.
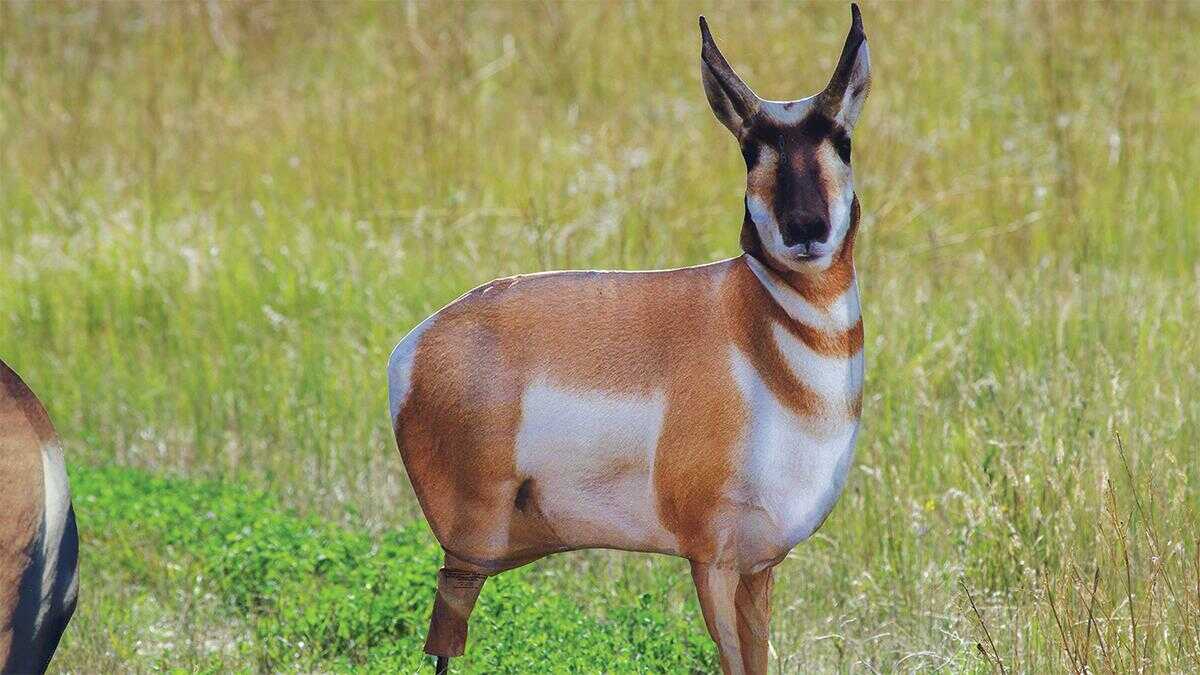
(842, 314)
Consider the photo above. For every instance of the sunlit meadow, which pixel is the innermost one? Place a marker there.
(217, 219)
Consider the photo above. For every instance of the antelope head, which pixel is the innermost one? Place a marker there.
(800, 201)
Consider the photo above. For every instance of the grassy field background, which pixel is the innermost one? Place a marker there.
(217, 219)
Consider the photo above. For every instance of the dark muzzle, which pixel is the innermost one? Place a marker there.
(805, 231)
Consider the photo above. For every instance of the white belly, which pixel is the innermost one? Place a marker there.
(591, 456)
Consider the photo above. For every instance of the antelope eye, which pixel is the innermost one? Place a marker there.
(842, 145)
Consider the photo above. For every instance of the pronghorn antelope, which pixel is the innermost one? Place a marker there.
(708, 412)
(38, 544)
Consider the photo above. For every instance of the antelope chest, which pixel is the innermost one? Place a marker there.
(794, 466)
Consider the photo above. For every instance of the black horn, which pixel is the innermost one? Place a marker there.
(744, 101)
(831, 98)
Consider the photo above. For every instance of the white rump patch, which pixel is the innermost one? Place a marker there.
(400, 367)
(591, 457)
(44, 607)
(60, 548)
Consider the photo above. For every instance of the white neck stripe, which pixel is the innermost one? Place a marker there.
(841, 314)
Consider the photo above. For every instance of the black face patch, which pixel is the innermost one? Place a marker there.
(816, 127)
(797, 190)
(810, 131)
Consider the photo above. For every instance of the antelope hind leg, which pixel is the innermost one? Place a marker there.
(458, 589)
(737, 612)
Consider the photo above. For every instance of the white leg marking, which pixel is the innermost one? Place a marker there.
(591, 456)
(400, 367)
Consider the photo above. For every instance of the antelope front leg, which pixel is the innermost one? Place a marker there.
(737, 612)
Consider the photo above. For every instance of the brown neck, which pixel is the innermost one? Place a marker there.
(820, 288)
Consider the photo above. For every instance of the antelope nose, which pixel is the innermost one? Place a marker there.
(805, 231)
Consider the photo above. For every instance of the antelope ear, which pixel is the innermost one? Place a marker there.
(843, 98)
(732, 101)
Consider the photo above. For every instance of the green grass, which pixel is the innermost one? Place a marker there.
(216, 220)
(301, 593)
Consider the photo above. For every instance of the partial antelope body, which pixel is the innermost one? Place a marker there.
(38, 543)
(708, 412)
